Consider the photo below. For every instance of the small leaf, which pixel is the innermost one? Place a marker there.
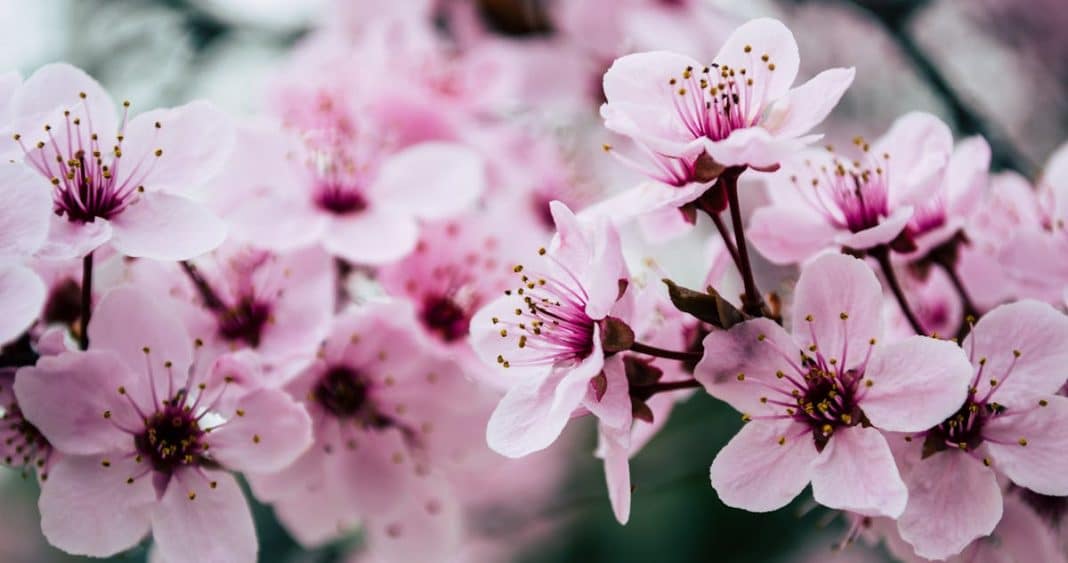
(641, 411)
(600, 385)
(616, 335)
(709, 307)
(706, 169)
(641, 371)
(933, 444)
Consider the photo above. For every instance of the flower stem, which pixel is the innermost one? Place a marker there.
(882, 255)
(728, 239)
(958, 284)
(754, 303)
(87, 301)
(667, 354)
(672, 386)
(211, 300)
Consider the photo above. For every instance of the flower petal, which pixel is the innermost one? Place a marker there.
(746, 49)
(809, 104)
(373, 236)
(26, 212)
(166, 227)
(196, 139)
(534, 411)
(69, 239)
(423, 527)
(919, 145)
(612, 408)
(740, 365)
(887, 230)
(953, 499)
(616, 471)
(59, 86)
(271, 432)
(203, 516)
(432, 180)
(372, 469)
(916, 383)
(1040, 464)
(1035, 330)
(89, 509)
(127, 321)
(856, 472)
(66, 397)
(844, 301)
(22, 294)
(590, 250)
(789, 235)
(758, 471)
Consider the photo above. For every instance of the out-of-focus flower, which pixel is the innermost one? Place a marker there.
(388, 413)
(818, 397)
(821, 200)
(118, 180)
(546, 334)
(146, 437)
(1010, 424)
(23, 229)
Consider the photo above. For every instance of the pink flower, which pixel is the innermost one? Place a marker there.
(387, 413)
(277, 304)
(821, 200)
(22, 446)
(346, 190)
(818, 398)
(1011, 423)
(739, 110)
(546, 333)
(117, 180)
(147, 438)
(23, 229)
(1034, 254)
(934, 301)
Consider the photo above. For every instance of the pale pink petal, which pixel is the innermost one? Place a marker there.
(916, 383)
(372, 469)
(488, 344)
(919, 145)
(887, 230)
(809, 104)
(166, 227)
(89, 509)
(612, 408)
(645, 198)
(1035, 330)
(71, 239)
(759, 471)
(616, 472)
(276, 223)
(129, 321)
(753, 146)
(967, 176)
(374, 236)
(203, 516)
(427, 525)
(270, 432)
(789, 235)
(591, 251)
(1056, 177)
(746, 47)
(638, 78)
(22, 294)
(856, 472)
(664, 225)
(953, 499)
(316, 516)
(534, 411)
(1022, 535)
(26, 212)
(196, 140)
(838, 307)
(739, 365)
(1032, 258)
(1031, 446)
(59, 85)
(432, 180)
(66, 397)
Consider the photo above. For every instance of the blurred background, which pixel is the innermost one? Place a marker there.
(993, 67)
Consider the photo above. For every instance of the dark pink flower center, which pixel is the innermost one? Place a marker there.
(339, 199)
(828, 401)
(91, 178)
(172, 438)
(245, 321)
(716, 100)
(446, 318)
(345, 393)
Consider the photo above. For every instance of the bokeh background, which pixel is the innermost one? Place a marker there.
(992, 67)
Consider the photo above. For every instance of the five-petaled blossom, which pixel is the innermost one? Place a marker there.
(119, 180)
(1012, 423)
(823, 200)
(546, 334)
(817, 399)
(147, 435)
(689, 119)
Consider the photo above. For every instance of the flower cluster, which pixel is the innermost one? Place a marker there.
(356, 304)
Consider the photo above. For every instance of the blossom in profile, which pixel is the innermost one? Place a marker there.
(117, 180)
(147, 435)
(817, 399)
(546, 335)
